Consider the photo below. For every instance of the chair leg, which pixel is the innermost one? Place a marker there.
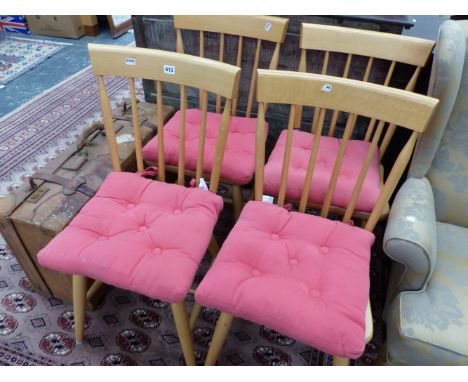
(219, 338)
(340, 361)
(213, 247)
(80, 286)
(194, 315)
(237, 201)
(183, 331)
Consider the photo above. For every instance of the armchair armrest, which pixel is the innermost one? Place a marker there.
(410, 237)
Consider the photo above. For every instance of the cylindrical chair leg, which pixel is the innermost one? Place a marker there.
(237, 201)
(80, 287)
(213, 247)
(194, 315)
(340, 361)
(183, 331)
(219, 338)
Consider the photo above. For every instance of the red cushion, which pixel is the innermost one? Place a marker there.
(302, 275)
(138, 234)
(239, 156)
(355, 155)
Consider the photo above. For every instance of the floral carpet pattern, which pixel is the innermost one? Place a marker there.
(19, 54)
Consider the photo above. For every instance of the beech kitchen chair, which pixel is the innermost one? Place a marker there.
(239, 162)
(140, 234)
(303, 275)
(383, 49)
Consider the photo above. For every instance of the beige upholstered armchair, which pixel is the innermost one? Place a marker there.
(427, 230)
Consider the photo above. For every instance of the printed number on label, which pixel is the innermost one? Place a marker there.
(267, 27)
(169, 69)
(327, 88)
(130, 61)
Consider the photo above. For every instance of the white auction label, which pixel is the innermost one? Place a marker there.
(130, 61)
(327, 88)
(169, 69)
(267, 27)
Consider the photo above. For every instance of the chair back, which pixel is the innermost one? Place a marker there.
(160, 66)
(391, 48)
(389, 106)
(260, 28)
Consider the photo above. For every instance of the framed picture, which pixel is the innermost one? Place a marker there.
(119, 24)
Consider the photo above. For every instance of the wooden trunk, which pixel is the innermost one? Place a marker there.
(35, 213)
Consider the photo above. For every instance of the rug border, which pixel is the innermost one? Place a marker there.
(66, 80)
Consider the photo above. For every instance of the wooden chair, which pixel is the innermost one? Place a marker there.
(303, 275)
(238, 168)
(136, 233)
(360, 47)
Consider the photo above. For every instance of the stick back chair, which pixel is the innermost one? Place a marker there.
(359, 46)
(303, 275)
(140, 234)
(239, 164)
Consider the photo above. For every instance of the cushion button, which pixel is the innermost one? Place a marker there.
(255, 273)
(314, 293)
(324, 249)
(130, 205)
(274, 236)
(143, 228)
(177, 212)
(102, 238)
(293, 262)
(157, 251)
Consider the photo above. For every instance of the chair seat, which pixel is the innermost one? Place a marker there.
(355, 155)
(138, 234)
(302, 275)
(239, 156)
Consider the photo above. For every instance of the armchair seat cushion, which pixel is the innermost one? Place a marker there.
(138, 234)
(438, 314)
(239, 156)
(354, 157)
(302, 275)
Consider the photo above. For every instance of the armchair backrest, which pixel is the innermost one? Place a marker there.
(441, 154)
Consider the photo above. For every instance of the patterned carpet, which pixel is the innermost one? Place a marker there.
(19, 54)
(35, 133)
(128, 328)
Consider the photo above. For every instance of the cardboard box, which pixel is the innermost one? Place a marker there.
(16, 24)
(57, 26)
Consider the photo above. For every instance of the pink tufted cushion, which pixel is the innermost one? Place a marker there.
(138, 234)
(302, 275)
(239, 156)
(355, 155)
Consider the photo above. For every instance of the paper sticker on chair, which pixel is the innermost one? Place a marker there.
(130, 61)
(169, 69)
(327, 88)
(267, 27)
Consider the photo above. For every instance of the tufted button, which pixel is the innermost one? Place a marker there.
(274, 236)
(130, 205)
(157, 251)
(177, 212)
(102, 238)
(143, 228)
(324, 249)
(314, 293)
(323, 163)
(256, 273)
(293, 262)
